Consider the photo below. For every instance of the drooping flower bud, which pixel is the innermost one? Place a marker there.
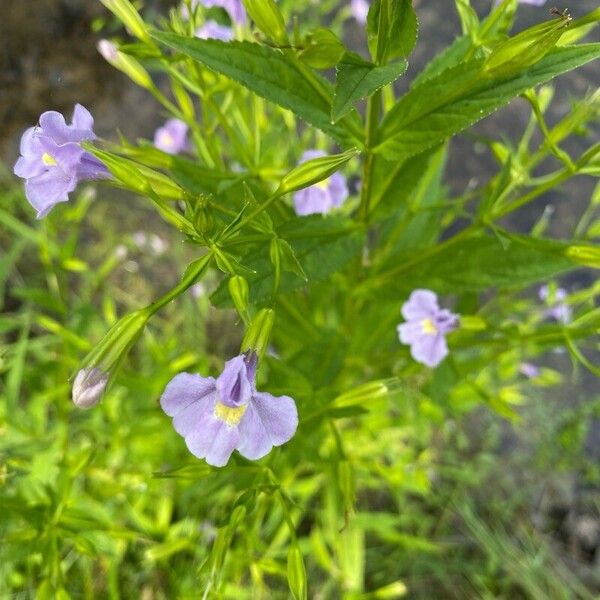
(88, 387)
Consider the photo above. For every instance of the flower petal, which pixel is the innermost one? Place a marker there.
(269, 421)
(213, 440)
(420, 305)
(82, 118)
(430, 350)
(47, 190)
(54, 126)
(183, 390)
(338, 189)
(233, 384)
(191, 417)
(410, 332)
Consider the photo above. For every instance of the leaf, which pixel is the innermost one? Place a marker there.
(358, 79)
(455, 99)
(271, 74)
(322, 245)
(476, 264)
(392, 28)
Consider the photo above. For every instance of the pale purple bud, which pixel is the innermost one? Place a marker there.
(107, 50)
(88, 387)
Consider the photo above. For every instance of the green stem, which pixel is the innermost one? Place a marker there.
(373, 107)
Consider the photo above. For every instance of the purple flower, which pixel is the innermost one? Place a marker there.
(426, 327)
(529, 370)
(234, 8)
(323, 196)
(216, 417)
(171, 137)
(557, 308)
(212, 30)
(360, 10)
(52, 161)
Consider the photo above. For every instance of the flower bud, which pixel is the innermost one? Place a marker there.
(88, 387)
(258, 334)
(268, 18)
(313, 171)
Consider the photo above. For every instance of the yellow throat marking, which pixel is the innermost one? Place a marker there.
(428, 327)
(48, 160)
(231, 416)
(167, 138)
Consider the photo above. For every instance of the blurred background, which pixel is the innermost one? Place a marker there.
(534, 486)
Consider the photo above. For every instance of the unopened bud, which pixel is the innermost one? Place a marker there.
(108, 50)
(88, 387)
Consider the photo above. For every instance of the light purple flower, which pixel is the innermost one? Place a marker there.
(212, 30)
(426, 327)
(52, 161)
(171, 137)
(360, 10)
(234, 8)
(323, 196)
(529, 370)
(218, 416)
(557, 309)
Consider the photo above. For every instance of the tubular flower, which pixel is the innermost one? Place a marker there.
(172, 137)
(426, 327)
(52, 161)
(323, 196)
(218, 416)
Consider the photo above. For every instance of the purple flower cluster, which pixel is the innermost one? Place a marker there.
(426, 327)
(172, 137)
(323, 196)
(218, 416)
(52, 161)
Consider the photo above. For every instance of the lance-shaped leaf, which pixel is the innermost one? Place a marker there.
(272, 74)
(459, 97)
(357, 79)
(392, 29)
(481, 262)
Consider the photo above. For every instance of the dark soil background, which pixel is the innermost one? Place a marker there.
(48, 60)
